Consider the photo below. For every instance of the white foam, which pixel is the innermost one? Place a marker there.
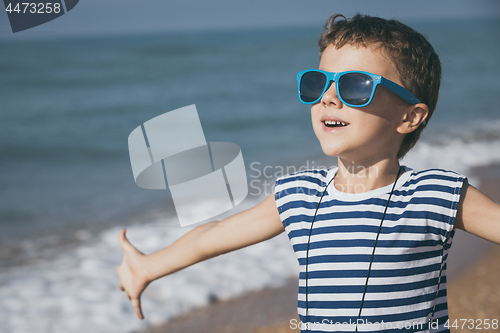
(78, 291)
(455, 155)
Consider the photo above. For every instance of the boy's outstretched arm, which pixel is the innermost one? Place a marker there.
(252, 226)
(478, 214)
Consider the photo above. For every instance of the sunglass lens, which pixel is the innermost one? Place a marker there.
(311, 86)
(355, 88)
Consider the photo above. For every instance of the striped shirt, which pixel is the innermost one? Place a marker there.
(407, 285)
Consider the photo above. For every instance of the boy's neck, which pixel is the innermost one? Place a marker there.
(359, 177)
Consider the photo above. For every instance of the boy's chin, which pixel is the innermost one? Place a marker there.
(330, 151)
(338, 152)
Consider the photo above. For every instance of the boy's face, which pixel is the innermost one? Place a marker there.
(371, 131)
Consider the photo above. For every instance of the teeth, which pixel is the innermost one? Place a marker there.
(334, 123)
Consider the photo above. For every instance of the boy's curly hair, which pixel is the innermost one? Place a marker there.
(416, 61)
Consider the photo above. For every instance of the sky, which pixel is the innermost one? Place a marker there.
(107, 17)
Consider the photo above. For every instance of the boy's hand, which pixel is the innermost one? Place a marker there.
(132, 273)
(252, 226)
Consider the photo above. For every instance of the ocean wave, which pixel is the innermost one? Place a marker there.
(457, 155)
(478, 130)
(15, 153)
(78, 290)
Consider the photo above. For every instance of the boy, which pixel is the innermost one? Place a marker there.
(371, 236)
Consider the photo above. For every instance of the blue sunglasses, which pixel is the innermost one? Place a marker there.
(354, 88)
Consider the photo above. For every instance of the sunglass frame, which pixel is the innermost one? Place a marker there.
(402, 92)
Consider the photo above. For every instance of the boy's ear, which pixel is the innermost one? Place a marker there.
(415, 115)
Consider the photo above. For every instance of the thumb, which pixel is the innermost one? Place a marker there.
(136, 303)
(124, 242)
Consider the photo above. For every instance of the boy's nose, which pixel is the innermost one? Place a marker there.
(330, 96)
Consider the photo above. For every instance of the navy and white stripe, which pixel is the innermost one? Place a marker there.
(407, 283)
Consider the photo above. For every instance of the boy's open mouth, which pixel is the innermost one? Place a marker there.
(331, 123)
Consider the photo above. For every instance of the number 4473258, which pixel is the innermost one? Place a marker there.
(472, 324)
(39, 8)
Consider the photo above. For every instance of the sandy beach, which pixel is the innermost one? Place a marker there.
(473, 290)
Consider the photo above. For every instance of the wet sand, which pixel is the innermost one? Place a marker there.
(270, 307)
(473, 289)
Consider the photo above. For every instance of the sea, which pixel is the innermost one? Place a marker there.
(68, 104)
